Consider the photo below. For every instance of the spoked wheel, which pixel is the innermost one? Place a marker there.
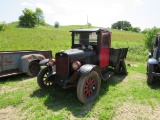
(88, 87)
(150, 77)
(43, 81)
(33, 69)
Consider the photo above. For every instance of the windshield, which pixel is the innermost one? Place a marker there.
(85, 38)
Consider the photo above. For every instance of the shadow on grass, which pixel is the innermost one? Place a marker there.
(58, 98)
(14, 78)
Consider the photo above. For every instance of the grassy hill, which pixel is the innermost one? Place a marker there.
(56, 39)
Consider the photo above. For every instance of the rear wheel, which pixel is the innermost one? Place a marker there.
(42, 80)
(88, 87)
(150, 77)
(124, 69)
(121, 68)
(33, 69)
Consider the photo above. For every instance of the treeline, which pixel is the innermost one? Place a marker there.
(125, 25)
(31, 18)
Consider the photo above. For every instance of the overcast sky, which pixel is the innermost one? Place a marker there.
(102, 13)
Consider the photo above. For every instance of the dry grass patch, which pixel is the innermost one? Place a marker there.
(9, 113)
(130, 111)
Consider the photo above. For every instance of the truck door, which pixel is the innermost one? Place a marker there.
(104, 49)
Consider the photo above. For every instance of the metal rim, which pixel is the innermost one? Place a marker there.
(90, 87)
(45, 80)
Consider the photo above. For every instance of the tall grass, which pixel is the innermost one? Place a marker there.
(56, 39)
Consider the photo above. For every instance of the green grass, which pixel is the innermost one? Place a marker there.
(30, 102)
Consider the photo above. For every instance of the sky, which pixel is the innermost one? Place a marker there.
(102, 13)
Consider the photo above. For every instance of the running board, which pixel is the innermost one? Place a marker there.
(107, 75)
(10, 73)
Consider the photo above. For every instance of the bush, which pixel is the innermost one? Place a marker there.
(3, 26)
(149, 37)
(136, 29)
(145, 30)
(56, 25)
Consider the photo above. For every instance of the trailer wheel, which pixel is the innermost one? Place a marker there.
(150, 77)
(88, 87)
(42, 80)
(33, 69)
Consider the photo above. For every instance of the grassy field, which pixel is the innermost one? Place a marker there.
(121, 97)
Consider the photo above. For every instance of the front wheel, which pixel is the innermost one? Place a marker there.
(42, 79)
(88, 87)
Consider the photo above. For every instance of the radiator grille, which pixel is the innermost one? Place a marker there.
(62, 66)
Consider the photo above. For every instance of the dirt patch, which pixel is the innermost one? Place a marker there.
(131, 111)
(7, 89)
(137, 76)
(19, 84)
(9, 113)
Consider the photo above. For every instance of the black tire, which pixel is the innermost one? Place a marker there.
(117, 68)
(33, 69)
(42, 79)
(150, 77)
(121, 68)
(88, 87)
(124, 69)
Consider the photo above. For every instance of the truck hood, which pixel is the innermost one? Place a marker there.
(77, 54)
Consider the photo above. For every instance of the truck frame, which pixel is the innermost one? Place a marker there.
(90, 60)
(22, 61)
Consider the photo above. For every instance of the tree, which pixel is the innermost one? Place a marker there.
(56, 24)
(149, 37)
(121, 25)
(39, 17)
(145, 30)
(136, 29)
(28, 19)
(127, 28)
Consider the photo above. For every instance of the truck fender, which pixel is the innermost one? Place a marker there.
(43, 62)
(26, 59)
(152, 61)
(32, 57)
(85, 69)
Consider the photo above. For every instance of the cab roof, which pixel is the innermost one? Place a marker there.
(91, 30)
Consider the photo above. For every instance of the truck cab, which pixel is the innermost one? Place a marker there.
(97, 40)
(90, 60)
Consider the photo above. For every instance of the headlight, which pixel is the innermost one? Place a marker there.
(76, 65)
(51, 62)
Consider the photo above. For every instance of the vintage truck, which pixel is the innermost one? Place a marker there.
(153, 63)
(22, 61)
(90, 60)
